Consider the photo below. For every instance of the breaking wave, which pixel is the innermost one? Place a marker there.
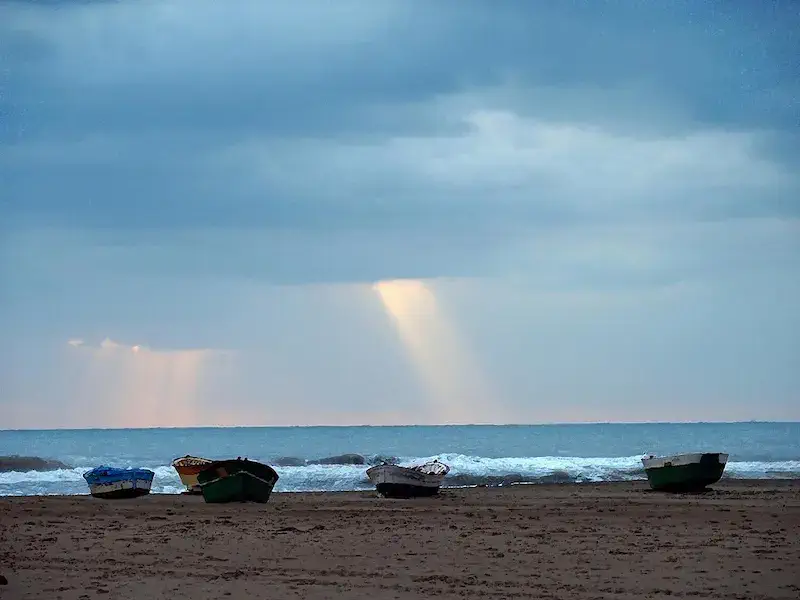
(349, 473)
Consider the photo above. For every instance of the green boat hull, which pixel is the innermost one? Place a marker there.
(237, 488)
(694, 476)
(237, 481)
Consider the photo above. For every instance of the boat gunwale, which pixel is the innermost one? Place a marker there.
(243, 473)
(191, 461)
(219, 463)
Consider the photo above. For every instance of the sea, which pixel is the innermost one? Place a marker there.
(477, 454)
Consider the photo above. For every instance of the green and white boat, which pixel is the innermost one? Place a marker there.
(684, 472)
(237, 480)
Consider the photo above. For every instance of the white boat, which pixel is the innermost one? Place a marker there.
(394, 481)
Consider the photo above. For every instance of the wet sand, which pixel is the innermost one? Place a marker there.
(741, 540)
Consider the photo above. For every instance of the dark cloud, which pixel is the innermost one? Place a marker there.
(275, 69)
(457, 125)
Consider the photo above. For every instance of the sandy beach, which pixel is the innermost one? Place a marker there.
(741, 540)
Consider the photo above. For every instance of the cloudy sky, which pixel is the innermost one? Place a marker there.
(218, 213)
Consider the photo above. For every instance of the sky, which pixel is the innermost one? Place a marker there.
(398, 212)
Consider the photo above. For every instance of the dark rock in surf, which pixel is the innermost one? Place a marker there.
(342, 459)
(3, 580)
(29, 463)
(289, 461)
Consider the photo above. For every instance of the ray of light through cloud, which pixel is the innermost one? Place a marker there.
(141, 387)
(453, 380)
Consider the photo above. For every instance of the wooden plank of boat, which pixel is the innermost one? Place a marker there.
(188, 467)
(688, 472)
(395, 481)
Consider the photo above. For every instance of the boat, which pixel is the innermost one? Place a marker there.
(237, 480)
(395, 481)
(684, 472)
(111, 483)
(188, 467)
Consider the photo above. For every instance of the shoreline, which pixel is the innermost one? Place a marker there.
(558, 540)
(634, 484)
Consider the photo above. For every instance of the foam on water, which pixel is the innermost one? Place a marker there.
(784, 469)
(465, 471)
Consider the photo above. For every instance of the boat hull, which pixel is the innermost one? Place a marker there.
(685, 472)
(119, 492)
(237, 481)
(188, 477)
(242, 487)
(109, 483)
(393, 481)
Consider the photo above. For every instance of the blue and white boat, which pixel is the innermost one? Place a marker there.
(110, 482)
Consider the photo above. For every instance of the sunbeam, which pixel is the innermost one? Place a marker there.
(141, 387)
(452, 378)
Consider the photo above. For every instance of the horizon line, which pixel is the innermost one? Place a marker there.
(319, 426)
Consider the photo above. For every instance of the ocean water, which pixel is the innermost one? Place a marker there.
(477, 454)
